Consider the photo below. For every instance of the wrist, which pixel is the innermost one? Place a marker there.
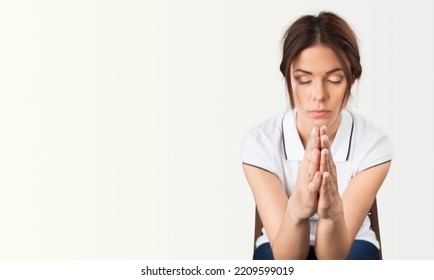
(332, 218)
(297, 214)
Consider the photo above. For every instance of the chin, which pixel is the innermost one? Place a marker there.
(320, 122)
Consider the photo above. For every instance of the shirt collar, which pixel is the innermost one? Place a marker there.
(293, 147)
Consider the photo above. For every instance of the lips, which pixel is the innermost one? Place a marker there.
(320, 112)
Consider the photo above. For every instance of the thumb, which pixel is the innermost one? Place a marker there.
(315, 184)
(325, 186)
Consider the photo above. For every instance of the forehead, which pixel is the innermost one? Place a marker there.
(316, 59)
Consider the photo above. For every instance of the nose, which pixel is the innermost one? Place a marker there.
(319, 91)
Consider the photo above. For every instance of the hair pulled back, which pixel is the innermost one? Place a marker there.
(326, 29)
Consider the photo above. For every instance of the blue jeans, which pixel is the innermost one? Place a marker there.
(360, 250)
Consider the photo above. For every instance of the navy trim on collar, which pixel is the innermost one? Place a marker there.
(350, 140)
(283, 138)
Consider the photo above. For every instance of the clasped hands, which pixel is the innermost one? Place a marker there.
(316, 189)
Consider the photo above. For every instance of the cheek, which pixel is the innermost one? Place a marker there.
(345, 99)
(300, 98)
(337, 92)
(301, 92)
(343, 96)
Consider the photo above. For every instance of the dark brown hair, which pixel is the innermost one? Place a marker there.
(327, 29)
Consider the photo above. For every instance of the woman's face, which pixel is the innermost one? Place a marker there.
(318, 88)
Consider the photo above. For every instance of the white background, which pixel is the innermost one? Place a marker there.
(121, 122)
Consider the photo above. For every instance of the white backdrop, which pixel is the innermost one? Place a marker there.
(121, 122)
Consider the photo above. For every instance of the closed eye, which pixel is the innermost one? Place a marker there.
(302, 80)
(335, 80)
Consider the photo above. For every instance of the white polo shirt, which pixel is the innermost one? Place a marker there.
(275, 146)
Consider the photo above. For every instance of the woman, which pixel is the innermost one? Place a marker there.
(315, 169)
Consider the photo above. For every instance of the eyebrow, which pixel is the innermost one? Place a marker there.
(310, 73)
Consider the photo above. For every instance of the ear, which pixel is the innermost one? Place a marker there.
(353, 80)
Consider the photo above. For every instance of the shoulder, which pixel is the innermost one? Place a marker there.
(366, 129)
(363, 123)
(371, 145)
(268, 130)
(263, 144)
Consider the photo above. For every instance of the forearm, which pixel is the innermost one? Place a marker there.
(332, 239)
(292, 238)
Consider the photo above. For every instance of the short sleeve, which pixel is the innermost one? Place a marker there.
(378, 150)
(257, 150)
